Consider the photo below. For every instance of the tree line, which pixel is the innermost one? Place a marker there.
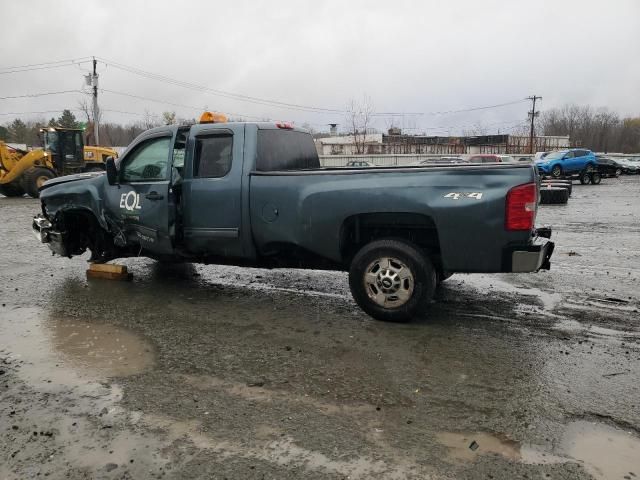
(111, 134)
(600, 130)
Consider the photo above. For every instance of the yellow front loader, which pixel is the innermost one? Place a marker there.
(63, 154)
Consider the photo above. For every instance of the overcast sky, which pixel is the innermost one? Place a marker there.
(414, 57)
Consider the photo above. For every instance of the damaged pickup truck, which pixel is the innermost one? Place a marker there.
(254, 195)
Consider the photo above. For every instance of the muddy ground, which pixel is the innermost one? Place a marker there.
(218, 372)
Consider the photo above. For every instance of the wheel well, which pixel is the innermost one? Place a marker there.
(81, 229)
(361, 229)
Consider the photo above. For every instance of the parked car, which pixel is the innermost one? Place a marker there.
(491, 158)
(629, 164)
(608, 167)
(254, 194)
(567, 162)
(359, 163)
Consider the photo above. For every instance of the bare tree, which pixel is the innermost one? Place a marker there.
(477, 129)
(87, 110)
(169, 118)
(359, 115)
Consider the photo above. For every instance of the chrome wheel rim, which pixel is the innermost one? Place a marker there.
(389, 282)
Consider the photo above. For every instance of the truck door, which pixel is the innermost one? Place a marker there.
(212, 191)
(142, 204)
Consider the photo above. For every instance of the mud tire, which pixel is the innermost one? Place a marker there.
(34, 178)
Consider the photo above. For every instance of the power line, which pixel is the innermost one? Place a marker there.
(30, 95)
(226, 94)
(43, 66)
(278, 103)
(473, 109)
(173, 104)
(44, 111)
(44, 63)
(222, 93)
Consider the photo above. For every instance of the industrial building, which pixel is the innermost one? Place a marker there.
(394, 142)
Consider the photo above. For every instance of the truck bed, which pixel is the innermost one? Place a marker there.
(463, 205)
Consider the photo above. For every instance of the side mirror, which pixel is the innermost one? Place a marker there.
(112, 171)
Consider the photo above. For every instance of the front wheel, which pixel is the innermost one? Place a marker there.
(392, 280)
(34, 178)
(556, 171)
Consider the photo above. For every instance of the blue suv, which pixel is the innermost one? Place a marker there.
(567, 162)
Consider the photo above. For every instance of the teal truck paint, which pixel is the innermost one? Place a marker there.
(254, 194)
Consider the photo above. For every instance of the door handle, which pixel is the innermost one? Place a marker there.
(153, 196)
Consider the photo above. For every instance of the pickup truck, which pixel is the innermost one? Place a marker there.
(255, 195)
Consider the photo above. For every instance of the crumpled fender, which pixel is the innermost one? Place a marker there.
(82, 193)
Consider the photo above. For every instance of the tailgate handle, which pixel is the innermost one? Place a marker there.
(153, 196)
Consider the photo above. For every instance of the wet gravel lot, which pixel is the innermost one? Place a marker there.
(219, 372)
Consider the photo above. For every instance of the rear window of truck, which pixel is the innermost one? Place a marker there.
(285, 150)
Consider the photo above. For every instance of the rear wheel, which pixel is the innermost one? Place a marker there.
(392, 280)
(596, 178)
(556, 171)
(34, 178)
(618, 172)
(585, 178)
(11, 190)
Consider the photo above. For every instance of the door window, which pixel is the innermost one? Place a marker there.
(569, 155)
(213, 156)
(148, 162)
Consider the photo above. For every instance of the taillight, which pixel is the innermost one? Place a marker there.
(285, 125)
(520, 211)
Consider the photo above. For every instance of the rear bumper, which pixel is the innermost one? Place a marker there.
(532, 257)
(45, 233)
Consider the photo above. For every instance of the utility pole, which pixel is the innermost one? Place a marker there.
(96, 112)
(532, 115)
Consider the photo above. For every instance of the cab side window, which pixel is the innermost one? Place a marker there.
(213, 156)
(148, 162)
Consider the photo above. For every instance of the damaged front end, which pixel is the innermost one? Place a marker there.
(44, 232)
(71, 233)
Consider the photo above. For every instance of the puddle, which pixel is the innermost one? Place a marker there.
(68, 351)
(605, 452)
(466, 447)
(460, 450)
